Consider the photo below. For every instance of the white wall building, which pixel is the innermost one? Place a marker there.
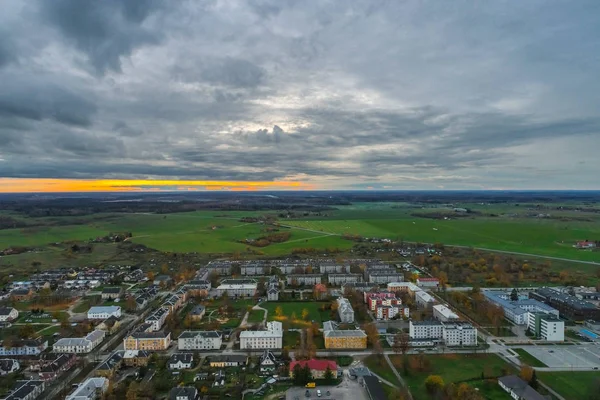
(456, 333)
(104, 312)
(443, 313)
(199, 340)
(237, 290)
(8, 314)
(91, 389)
(345, 310)
(424, 299)
(272, 338)
(157, 319)
(546, 326)
(426, 330)
(79, 345)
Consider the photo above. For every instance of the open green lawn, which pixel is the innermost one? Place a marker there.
(289, 308)
(456, 368)
(291, 339)
(571, 385)
(380, 367)
(256, 316)
(528, 358)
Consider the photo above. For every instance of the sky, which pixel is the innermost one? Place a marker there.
(352, 94)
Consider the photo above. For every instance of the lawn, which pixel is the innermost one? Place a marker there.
(471, 366)
(291, 339)
(289, 308)
(380, 367)
(82, 306)
(528, 358)
(571, 385)
(256, 316)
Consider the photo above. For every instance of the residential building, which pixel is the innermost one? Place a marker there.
(345, 310)
(320, 291)
(26, 390)
(385, 276)
(585, 244)
(426, 330)
(518, 389)
(546, 326)
(197, 312)
(110, 325)
(390, 309)
(90, 389)
(156, 341)
(111, 365)
(158, 318)
(407, 287)
(428, 282)
(336, 338)
(25, 347)
(340, 279)
(112, 293)
(269, 339)
(163, 280)
(253, 269)
(459, 333)
(318, 368)
(273, 293)
(237, 289)
(443, 313)
(517, 310)
(327, 268)
(360, 287)
(8, 314)
(198, 288)
(99, 312)
(199, 340)
(424, 299)
(373, 299)
(232, 360)
(267, 361)
(303, 279)
(181, 361)
(79, 345)
(136, 358)
(21, 294)
(59, 364)
(8, 366)
(183, 393)
(568, 306)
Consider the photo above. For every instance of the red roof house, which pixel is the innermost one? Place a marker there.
(317, 367)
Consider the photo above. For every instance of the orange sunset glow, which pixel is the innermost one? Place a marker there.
(49, 185)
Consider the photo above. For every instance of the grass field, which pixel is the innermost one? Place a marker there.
(381, 368)
(528, 358)
(314, 313)
(471, 366)
(571, 385)
(256, 316)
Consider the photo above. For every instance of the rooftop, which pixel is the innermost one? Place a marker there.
(194, 334)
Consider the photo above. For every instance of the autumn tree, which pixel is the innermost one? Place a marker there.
(278, 311)
(132, 391)
(434, 384)
(305, 314)
(401, 343)
(526, 372)
(150, 275)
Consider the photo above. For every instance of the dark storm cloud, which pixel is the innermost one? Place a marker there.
(7, 49)
(104, 30)
(229, 72)
(125, 130)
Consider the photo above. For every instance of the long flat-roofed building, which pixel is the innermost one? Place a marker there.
(235, 289)
(443, 313)
(199, 340)
(569, 306)
(272, 338)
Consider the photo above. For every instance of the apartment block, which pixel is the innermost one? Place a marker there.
(199, 340)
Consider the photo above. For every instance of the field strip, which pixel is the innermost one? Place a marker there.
(189, 232)
(302, 240)
(481, 235)
(310, 230)
(525, 254)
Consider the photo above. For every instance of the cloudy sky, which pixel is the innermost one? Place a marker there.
(334, 94)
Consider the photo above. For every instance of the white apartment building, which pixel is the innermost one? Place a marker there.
(8, 314)
(443, 313)
(345, 310)
(79, 345)
(426, 330)
(199, 340)
(424, 299)
(157, 319)
(237, 289)
(104, 312)
(459, 334)
(546, 326)
(91, 389)
(272, 338)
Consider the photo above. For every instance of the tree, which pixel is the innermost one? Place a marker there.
(297, 374)
(26, 331)
(278, 311)
(401, 343)
(294, 316)
(132, 391)
(328, 374)
(533, 382)
(434, 383)
(514, 296)
(305, 314)
(130, 304)
(150, 275)
(526, 372)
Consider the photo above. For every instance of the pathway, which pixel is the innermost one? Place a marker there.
(264, 321)
(398, 376)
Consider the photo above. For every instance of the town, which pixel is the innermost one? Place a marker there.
(293, 328)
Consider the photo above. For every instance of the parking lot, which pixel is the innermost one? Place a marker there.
(347, 390)
(576, 356)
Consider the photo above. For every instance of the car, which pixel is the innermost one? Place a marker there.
(595, 367)
(307, 394)
(318, 392)
(328, 393)
(550, 351)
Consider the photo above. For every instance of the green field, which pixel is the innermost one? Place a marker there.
(381, 368)
(471, 366)
(571, 385)
(314, 313)
(256, 316)
(528, 358)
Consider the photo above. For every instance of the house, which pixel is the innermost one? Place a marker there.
(112, 293)
(109, 325)
(111, 365)
(8, 366)
(198, 288)
(163, 280)
(199, 340)
(272, 338)
(25, 347)
(318, 368)
(53, 368)
(197, 313)
(104, 312)
(273, 293)
(21, 294)
(267, 361)
(90, 389)
(183, 393)
(345, 310)
(8, 314)
(26, 390)
(233, 360)
(79, 345)
(136, 358)
(153, 341)
(180, 361)
(518, 389)
(585, 244)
